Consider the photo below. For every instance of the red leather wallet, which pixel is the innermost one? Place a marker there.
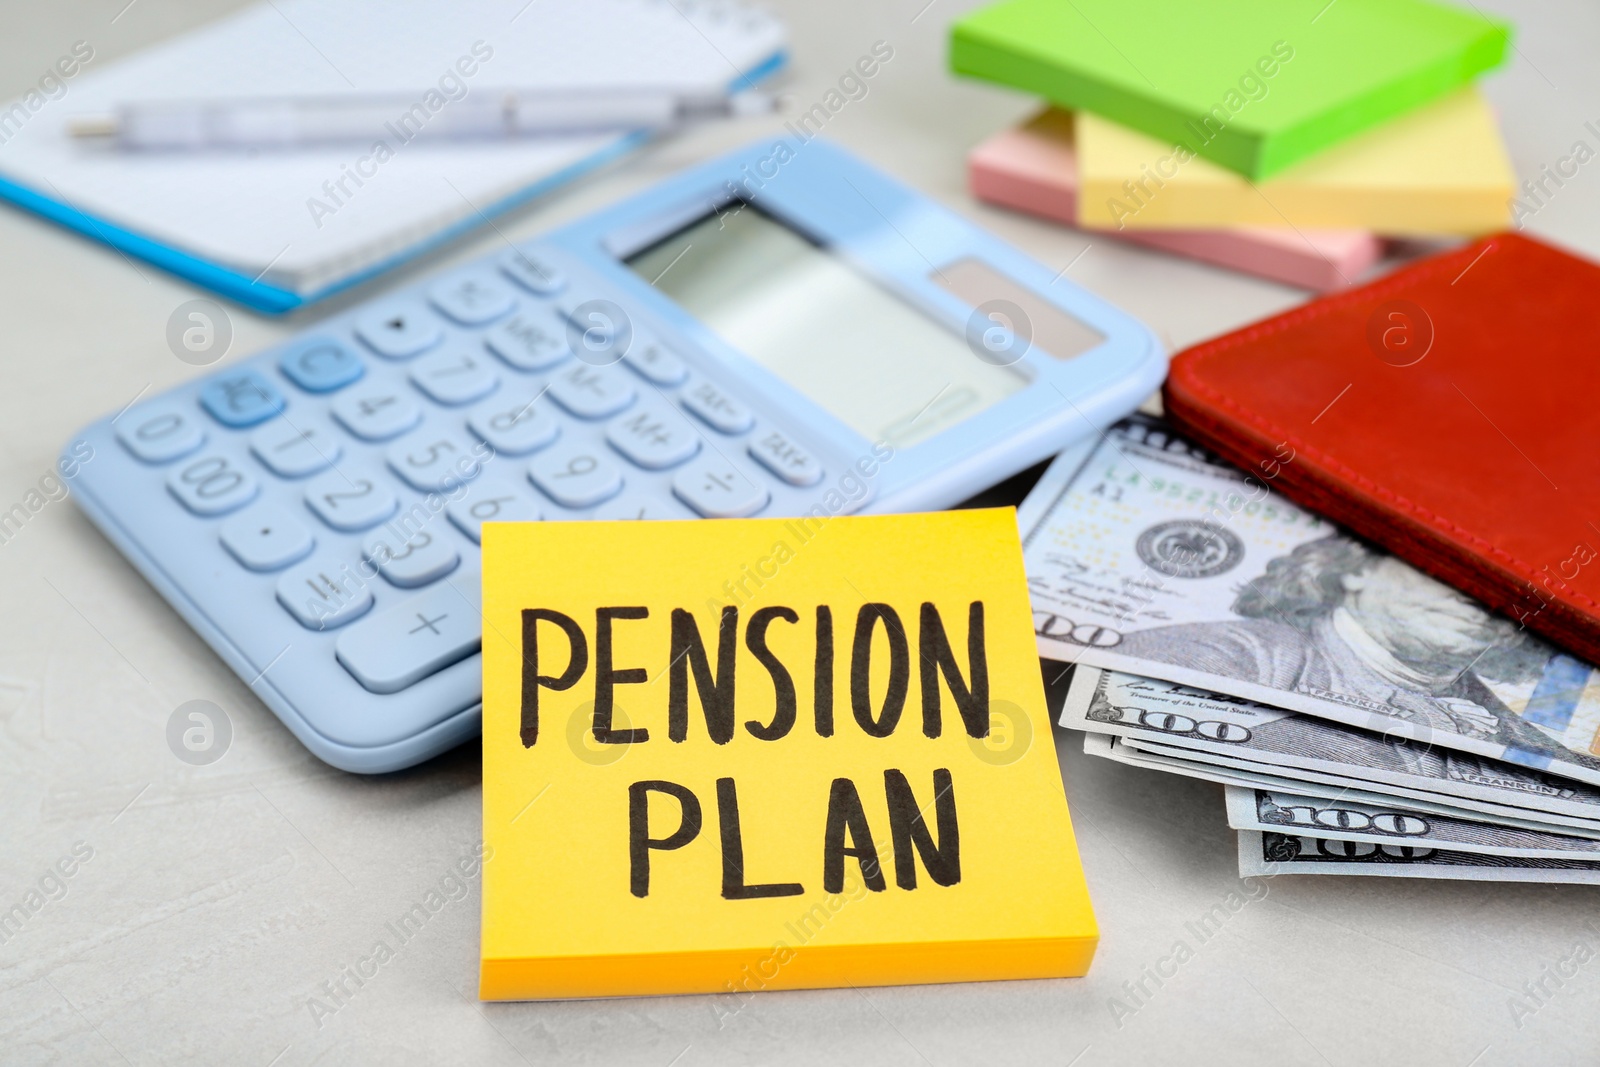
(1449, 411)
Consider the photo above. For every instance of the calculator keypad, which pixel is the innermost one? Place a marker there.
(654, 436)
(292, 451)
(432, 461)
(455, 377)
(534, 273)
(409, 562)
(351, 498)
(266, 537)
(528, 342)
(403, 644)
(718, 490)
(600, 330)
(160, 432)
(775, 451)
(719, 410)
(213, 485)
(655, 362)
(591, 392)
(630, 506)
(324, 593)
(514, 424)
(492, 499)
(576, 475)
(377, 413)
(473, 300)
(399, 329)
(321, 365)
(241, 398)
(348, 475)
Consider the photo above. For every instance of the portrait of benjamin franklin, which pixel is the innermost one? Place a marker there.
(1337, 619)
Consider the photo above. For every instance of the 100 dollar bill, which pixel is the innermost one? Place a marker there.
(1120, 749)
(1375, 824)
(1336, 785)
(1149, 555)
(1276, 853)
(1297, 746)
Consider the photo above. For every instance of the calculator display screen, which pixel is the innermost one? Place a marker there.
(876, 362)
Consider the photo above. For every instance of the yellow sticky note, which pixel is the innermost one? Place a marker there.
(728, 756)
(1441, 169)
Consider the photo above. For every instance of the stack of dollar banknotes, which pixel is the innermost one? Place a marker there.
(1361, 717)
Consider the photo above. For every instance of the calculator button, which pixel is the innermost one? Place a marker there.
(718, 490)
(323, 594)
(212, 485)
(655, 361)
(630, 506)
(409, 562)
(377, 413)
(399, 330)
(472, 300)
(241, 398)
(534, 273)
(575, 476)
(718, 409)
(160, 433)
(422, 635)
(491, 500)
(514, 424)
(455, 377)
(775, 451)
(598, 330)
(591, 392)
(654, 435)
(321, 365)
(350, 499)
(435, 462)
(291, 451)
(529, 342)
(266, 537)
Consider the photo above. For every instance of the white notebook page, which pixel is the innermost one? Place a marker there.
(300, 214)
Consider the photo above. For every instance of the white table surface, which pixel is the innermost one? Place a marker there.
(218, 898)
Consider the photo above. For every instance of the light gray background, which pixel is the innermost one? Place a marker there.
(218, 898)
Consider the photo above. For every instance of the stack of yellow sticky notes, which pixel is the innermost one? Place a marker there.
(1441, 169)
(1238, 116)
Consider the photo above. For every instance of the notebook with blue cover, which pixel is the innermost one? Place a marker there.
(279, 228)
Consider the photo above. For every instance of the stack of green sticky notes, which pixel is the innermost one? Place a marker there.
(1208, 113)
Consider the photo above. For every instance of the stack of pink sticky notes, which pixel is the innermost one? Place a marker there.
(1034, 168)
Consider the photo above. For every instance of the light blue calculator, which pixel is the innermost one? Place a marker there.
(778, 331)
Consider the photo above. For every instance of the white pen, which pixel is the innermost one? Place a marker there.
(283, 122)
